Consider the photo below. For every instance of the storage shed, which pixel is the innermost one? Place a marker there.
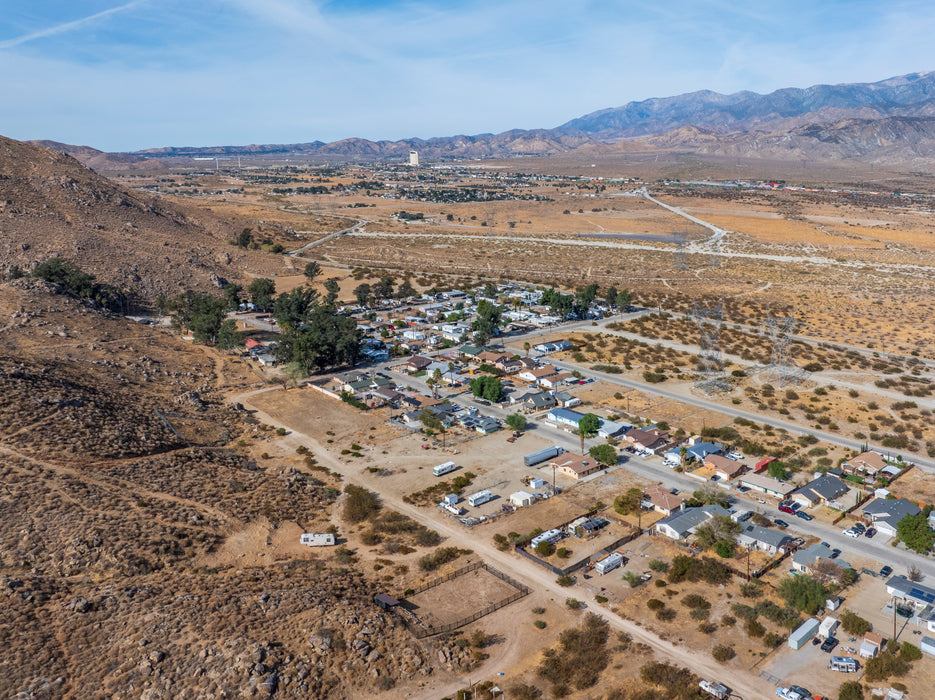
(803, 633)
(828, 626)
(451, 499)
(521, 499)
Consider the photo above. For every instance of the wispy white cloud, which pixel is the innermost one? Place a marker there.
(67, 26)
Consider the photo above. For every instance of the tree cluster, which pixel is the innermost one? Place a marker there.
(489, 388)
(77, 283)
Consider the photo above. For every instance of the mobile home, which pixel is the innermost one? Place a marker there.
(476, 499)
(609, 563)
(313, 540)
(444, 468)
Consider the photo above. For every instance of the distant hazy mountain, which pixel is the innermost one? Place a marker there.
(889, 121)
(908, 95)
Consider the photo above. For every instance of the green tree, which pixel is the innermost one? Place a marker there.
(709, 494)
(605, 454)
(228, 335)
(430, 420)
(383, 289)
(526, 346)
(262, 291)
(291, 309)
(486, 322)
(629, 501)
(588, 425)
(719, 529)
(915, 532)
(405, 290)
(486, 387)
(326, 340)
(854, 624)
(777, 469)
(850, 690)
(803, 593)
(244, 239)
(624, 299)
(232, 295)
(202, 314)
(312, 270)
(544, 549)
(516, 421)
(333, 289)
(610, 296)
(363, 293)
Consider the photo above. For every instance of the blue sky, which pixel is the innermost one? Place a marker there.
(147, 73)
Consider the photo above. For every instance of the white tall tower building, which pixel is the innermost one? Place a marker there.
(413, 158)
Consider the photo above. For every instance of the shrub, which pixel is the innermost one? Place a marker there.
(723, 653)
(707, 627)
(728, 621)
(600, 599)
(852, 623)
(632, 578)
(850, 690)
(579, 658)
(655, 604)
(696, 601)
(772, 640)
(562, 553)
(659, 583)
(658, 565)
(909, 652)
(754, 628)
(885, 665)
(360, 503)
(539, 624)
(442, 555)
(666, 615)
(699, 614)
(751, 589)
(573, 604)
(744, 612)
(544, 549)
(564, 581)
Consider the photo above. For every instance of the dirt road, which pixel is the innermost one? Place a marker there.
(744, 684)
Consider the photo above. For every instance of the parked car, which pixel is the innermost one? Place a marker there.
(835, 553)
(886, 571)
(870, 532)
(851, 533)
(786, 509)
(858, 527)
(781, 524)
(802, 514)
(760, 500)
(829, 644)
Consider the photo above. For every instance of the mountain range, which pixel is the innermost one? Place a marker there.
(891, 121)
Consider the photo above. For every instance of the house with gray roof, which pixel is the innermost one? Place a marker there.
(763, 539)
(680, 525)
(700, 450)
(885, 513)
(804, 560)
(821, 490)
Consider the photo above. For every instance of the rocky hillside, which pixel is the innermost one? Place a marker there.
(116, 577)
(51, 205)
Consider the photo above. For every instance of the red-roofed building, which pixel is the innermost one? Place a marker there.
(763, 464)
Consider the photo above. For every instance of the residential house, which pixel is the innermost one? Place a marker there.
(724, 469)
(555, 346)
(538, 401)
(885, 514)
(609, 428)
(388, 396)
(565, 399)
(763, 539)
(648, 440)
(804, 560)
(821, 490)
(552, 381)
(564, 417)
(868, 463)
(576, 466)
(700, 450)
(913, 593)
(683, 523)
(663, 500)
(767, 484)
(418, 401)
(489, 357)
(417, 363)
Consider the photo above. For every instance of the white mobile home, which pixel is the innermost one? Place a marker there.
(444, 468)
(609, 563)
(476, 499)
(313, 540)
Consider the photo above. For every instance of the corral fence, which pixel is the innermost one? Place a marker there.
(422, 629)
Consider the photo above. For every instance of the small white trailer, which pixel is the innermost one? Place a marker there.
(444, 468)
(476, 499)
(608, 563)
(313, 540)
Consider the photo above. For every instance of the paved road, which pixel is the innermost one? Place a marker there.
(350, 229)
(654, 470)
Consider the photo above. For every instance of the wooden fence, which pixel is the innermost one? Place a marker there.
(420, 629)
